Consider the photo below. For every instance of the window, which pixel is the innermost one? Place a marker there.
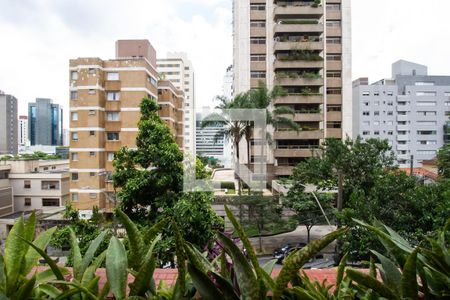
(376, 123)
(334, 107)
(73, 95)
(110, 156)
(50, 202)
(333, 23)
(366, 103)
(112, 116)
(376, 103)
(27, 184)
(74, 136)
(91, 132)
(74, 156)
(334, 124)
(74, 75)
(334, 74)
(390, 103)
(447, 94)
(92, 174)
(366, 123)
(426, 103)
(257, 6)
(335, 57)
(447, 103)
(113, 96)
(426, 152)
(50, 185)
(366, 93)
(376, 93)
(260, 24)
(390, 132)
(112, 136)
(422, 83)
(333, 6)
(91, 71)
(258, 74)
(258, 40)
(366, 132)
(334, 40)
(427, 123)
(376, 113)
(27, 202)
(74, 176)
(366, 113)
(390, 123)
(426, 93)
(75, 197)
(152, 80)
(257, 57)
(427, 113)
(92, 154)
(426, 132)
(92, 196)
(427, 142)
(334, 91)
(92, 92)
(112, 76)
(390, 93)
(74, 116)
(390, 113)
(91, 112)
(376, 132)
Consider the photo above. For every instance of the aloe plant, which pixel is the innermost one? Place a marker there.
(20, 257)
(400, 271)
(247, 279)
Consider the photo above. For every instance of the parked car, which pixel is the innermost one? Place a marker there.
(281, 253)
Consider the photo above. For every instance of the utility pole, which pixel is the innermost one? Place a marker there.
(411, 166)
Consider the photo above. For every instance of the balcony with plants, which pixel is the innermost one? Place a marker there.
(299, 78)
(299, 59)
(298, 41)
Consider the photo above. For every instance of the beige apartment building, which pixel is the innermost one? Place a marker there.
(104, 103)
(304, 47)
(171, 101)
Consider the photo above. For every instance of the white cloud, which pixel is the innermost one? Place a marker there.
(39, 37)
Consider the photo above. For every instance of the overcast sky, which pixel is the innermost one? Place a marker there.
(38, 37)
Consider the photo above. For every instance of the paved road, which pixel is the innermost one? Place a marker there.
(299, 235)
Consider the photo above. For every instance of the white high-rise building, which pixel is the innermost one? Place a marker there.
(23, 131)
(178, 69)
(411, 110)
(228, 83)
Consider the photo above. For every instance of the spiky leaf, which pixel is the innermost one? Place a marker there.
(116, 268)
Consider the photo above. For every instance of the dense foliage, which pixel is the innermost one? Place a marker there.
(405, 272)
(150, 181)
(443, 161)
(372, 188)
(38, 155)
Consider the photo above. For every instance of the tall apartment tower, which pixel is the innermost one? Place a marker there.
(8, 124)
(45, 121)
(411, 110)
(23, 131)
(178, 69)
(104, 113)
(304, 47)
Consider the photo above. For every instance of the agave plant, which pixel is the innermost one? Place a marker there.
(19, 259)
(400, 271)
(248, 280)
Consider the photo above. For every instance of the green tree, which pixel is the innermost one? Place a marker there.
(443, 162)
(149, 178)
(307, 211)
(259, 213)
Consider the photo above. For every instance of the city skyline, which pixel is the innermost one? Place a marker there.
(382, 33)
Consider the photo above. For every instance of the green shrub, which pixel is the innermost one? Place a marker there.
(227, 185)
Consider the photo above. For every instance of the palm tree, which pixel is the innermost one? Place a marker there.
(232, 130)
(262, 98)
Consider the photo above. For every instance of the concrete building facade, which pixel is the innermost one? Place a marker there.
(104, 105)
(304, 47)
(8, 124)
(23, 131)
(45, 122)
(178, 69)
(411, 110)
